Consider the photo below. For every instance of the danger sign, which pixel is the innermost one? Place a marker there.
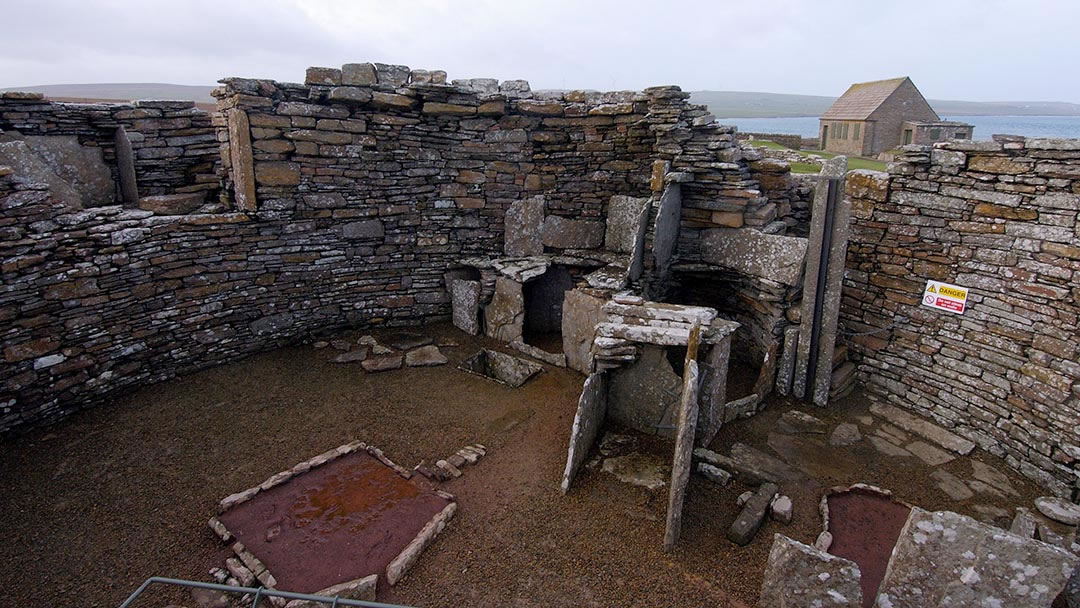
(945, 297)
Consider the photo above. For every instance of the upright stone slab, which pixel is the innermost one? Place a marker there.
(562, 233)
(523, 225)
(592, 406)
(946, 559)
(786, 368)
(684, 442)
(243, 165)
(623, 220)
(83, 167)
(667, 228)
(30, 166)
(504, 317)
(637, 252)
(465, 304)
(809, 331)
(801, 575)
(125, 167)
(713, 391)
(581, 312)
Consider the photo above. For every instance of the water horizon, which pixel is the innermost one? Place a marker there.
(1067, 127)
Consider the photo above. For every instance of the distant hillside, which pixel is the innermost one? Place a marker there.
(743, 104)
(122, 91)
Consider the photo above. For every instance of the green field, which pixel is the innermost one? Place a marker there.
(854, 162)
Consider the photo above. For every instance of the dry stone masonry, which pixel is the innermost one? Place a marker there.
(144, 240)
(998, 218)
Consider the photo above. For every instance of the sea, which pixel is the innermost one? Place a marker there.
(985, 126)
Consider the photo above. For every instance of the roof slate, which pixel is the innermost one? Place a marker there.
(861, 99)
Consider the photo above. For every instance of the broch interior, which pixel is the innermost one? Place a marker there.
(690, 304)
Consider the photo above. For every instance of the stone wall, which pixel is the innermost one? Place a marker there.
(998, 218)
(784, 139)
(350, 202)
(174, 143)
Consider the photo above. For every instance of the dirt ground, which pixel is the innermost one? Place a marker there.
(99, 502)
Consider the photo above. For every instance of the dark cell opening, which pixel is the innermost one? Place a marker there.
(543, 308)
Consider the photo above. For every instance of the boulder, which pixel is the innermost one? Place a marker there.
(971, 564)
(799, 575)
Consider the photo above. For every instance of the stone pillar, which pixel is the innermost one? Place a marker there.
(666, 238)
(243, 165)
(125, 167)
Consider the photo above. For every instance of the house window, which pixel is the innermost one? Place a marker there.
(907, 136)
(836, 130)
(935, 134)
(961, 135)
(857, 125)
(845, 130)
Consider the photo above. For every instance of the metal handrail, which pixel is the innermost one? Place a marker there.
(260, 592)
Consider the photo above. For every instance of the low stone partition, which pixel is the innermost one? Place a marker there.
(998, 220)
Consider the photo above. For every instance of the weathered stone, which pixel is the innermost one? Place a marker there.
(888, 448)
(359, 589)
(794, 421)
(1024, 523)
(753, 513)
(323, 76)
(393, 75)
(922, 427)
(125, 166)
(666, 233)
(685, 430)
(501, 367)
(277, 173)
(581, 313)
(523, 225)
(786, 368)
(951, 485)
(242, 164)
(845, 434)
(714, 474)
(713, 391)
(393, 100)
(592, 407)
(646, 393)
(172, 204)
(974, 564)
(397, 568)
(425, 356)
(1059, 510)
(929, 454)
(406, 340)
(82, 167)
(780, 509)
(562, 233)
(799, 575)
(352, 356)
(775, 257)
(381, 363)
(28, 165)
(364, 229)
(624, 216)
(465, 303)
(350, 94)
(504, 317)
(362, 74)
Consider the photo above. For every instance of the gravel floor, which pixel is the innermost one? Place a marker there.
(111, 496)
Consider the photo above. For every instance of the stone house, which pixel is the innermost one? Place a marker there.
(873, 117)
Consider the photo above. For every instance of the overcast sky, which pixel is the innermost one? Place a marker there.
(982, 50)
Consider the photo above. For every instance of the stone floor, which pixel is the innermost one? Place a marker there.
(111, 496)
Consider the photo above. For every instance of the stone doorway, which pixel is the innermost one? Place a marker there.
(543, 297)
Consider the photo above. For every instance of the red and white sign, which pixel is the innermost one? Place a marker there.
(943, 296)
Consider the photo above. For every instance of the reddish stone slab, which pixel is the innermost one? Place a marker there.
(344, 520)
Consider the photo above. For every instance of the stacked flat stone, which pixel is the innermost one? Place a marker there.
(999, 218)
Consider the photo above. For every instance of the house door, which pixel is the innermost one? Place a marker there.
(907, 136)
(824, 135)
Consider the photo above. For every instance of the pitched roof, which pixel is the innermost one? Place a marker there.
(862, 98)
